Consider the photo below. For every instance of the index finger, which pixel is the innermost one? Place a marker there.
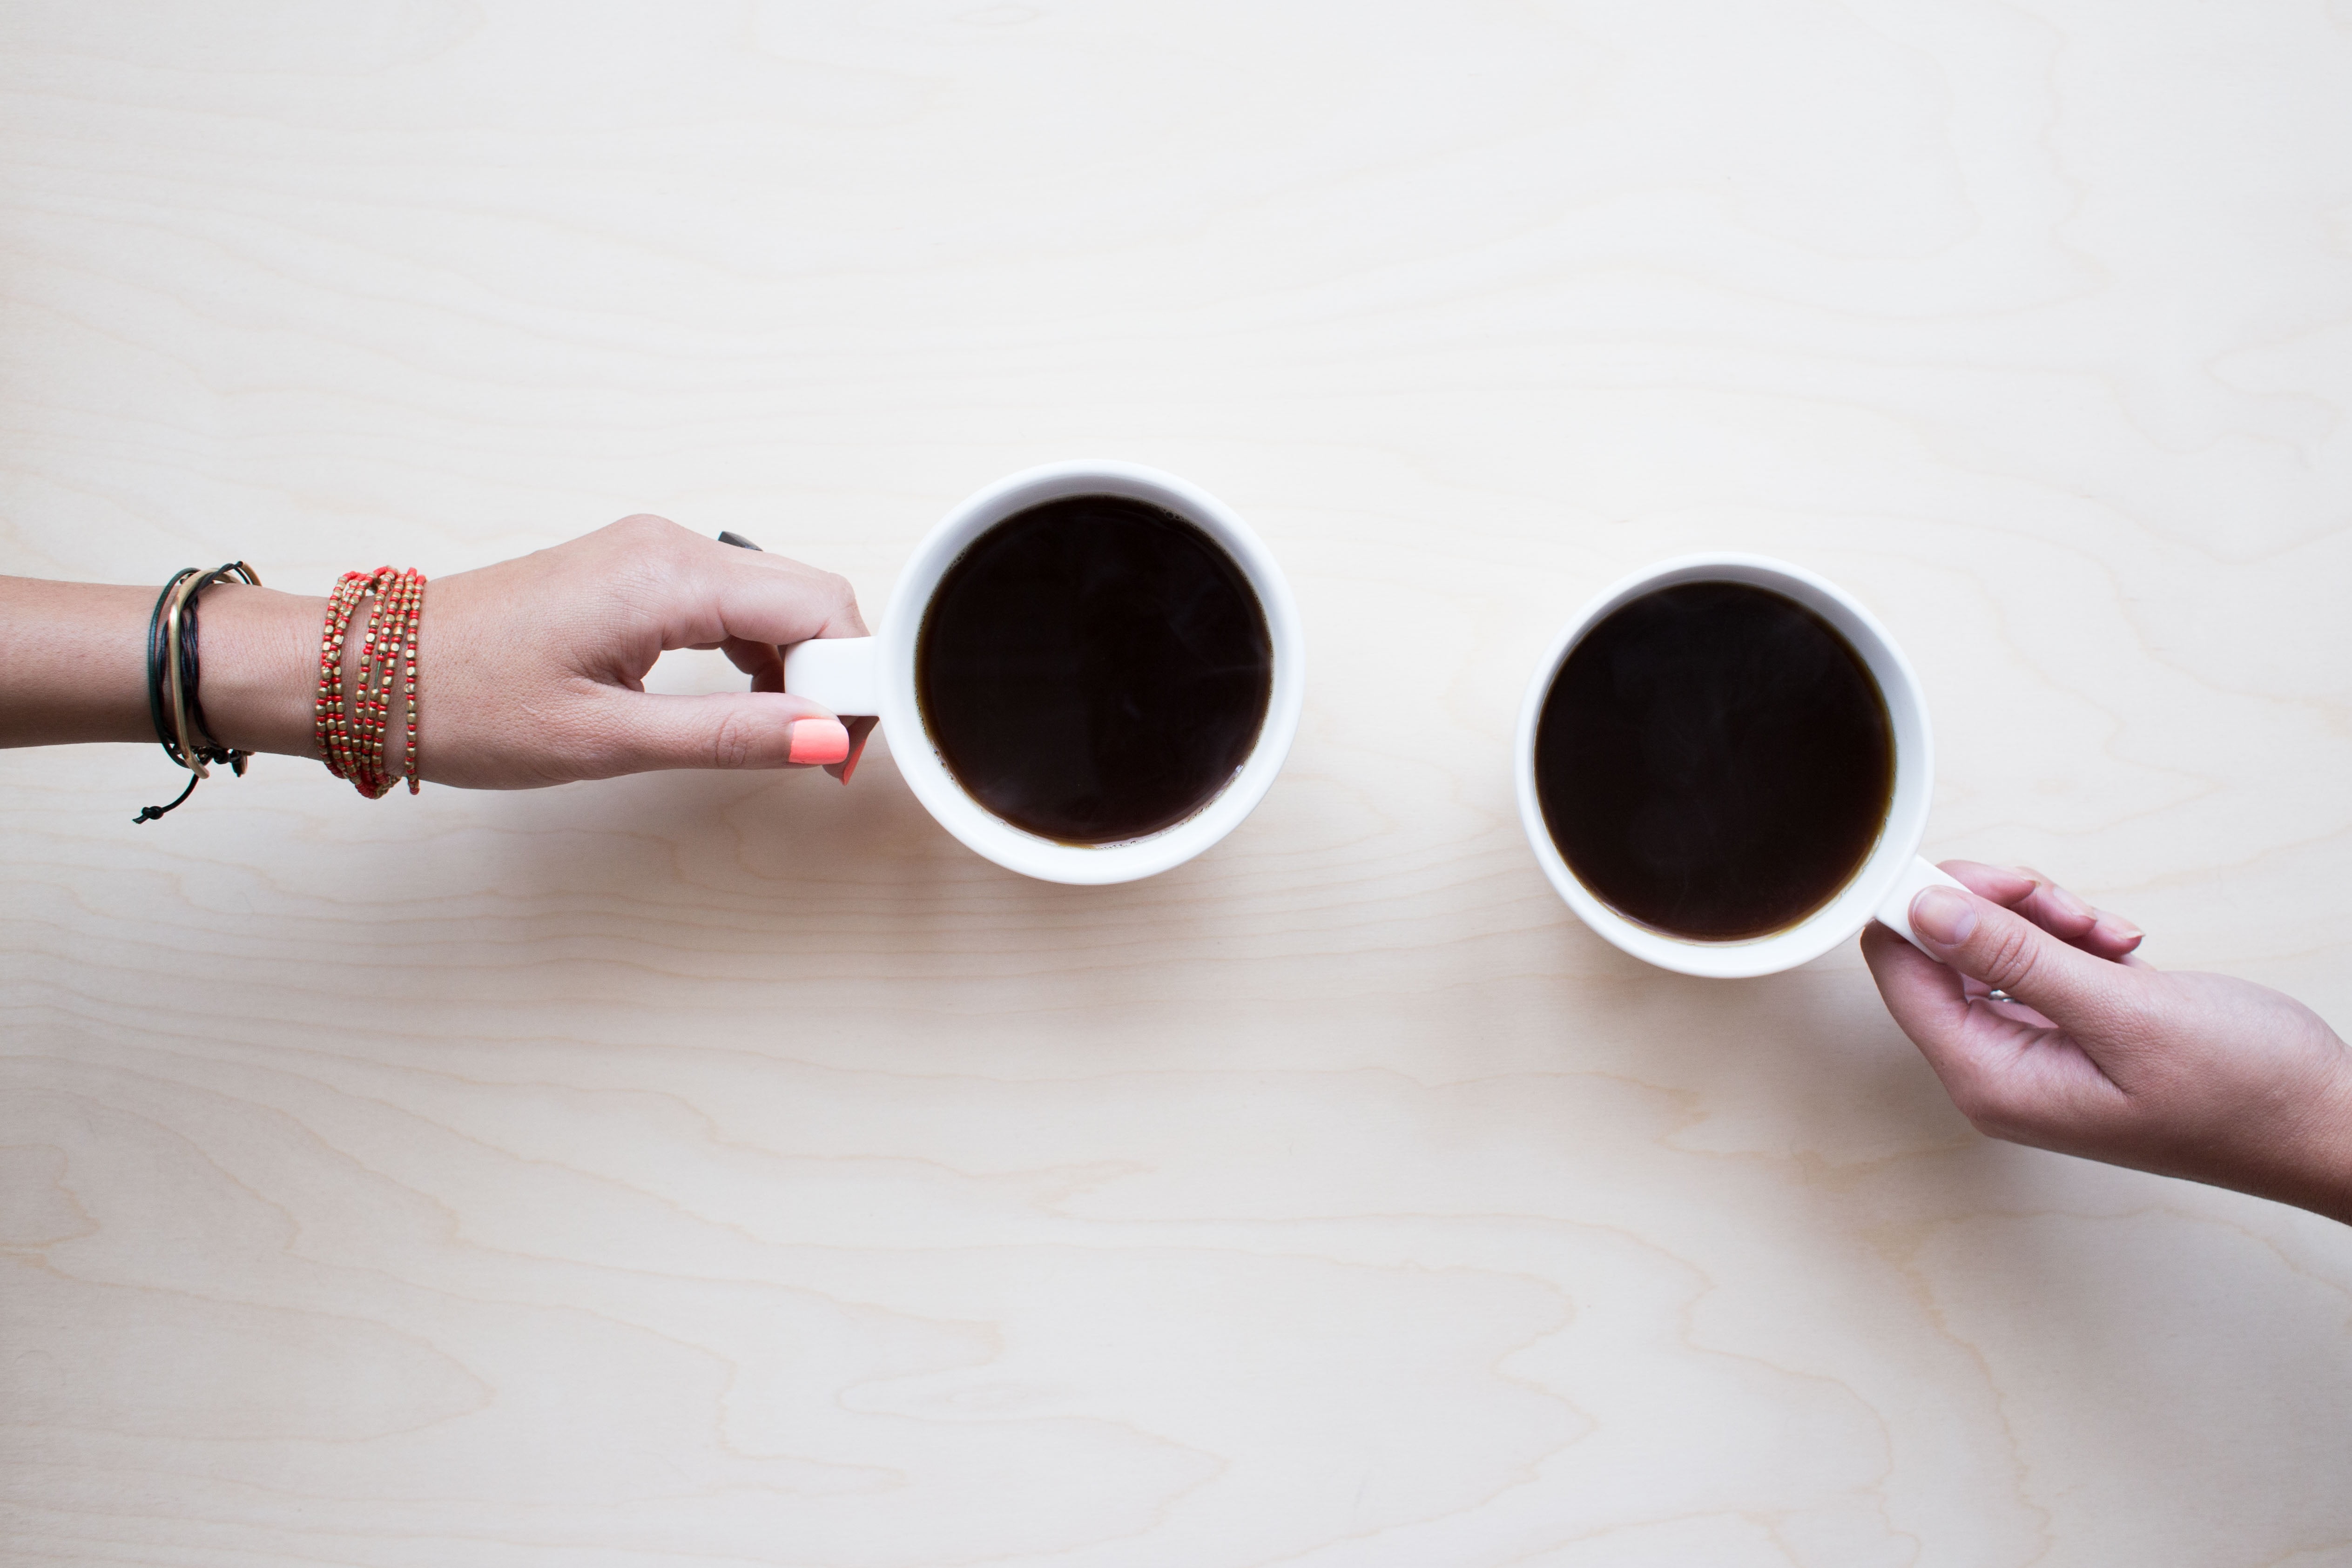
(2048, 906)
(772, 599)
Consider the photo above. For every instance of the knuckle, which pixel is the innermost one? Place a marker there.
(830, 590)
(2011, 954)
(734, 742)
(647, 544)
(645, 564)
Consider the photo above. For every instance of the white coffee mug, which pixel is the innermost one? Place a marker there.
(857, 675)
(1893, 873)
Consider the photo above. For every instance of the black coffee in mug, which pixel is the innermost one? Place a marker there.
(1714, 760)
(1094, 669)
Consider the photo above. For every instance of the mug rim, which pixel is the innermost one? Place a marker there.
(1906, 823)
(981, 830)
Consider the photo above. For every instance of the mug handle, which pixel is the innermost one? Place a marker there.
(835, 671)
(1894, 910)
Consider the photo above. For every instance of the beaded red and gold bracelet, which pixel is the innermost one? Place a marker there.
(353, 715)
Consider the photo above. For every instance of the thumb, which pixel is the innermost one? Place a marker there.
(734, 730)
(1979, 938)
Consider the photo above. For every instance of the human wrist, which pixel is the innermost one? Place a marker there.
(259, 675)
(2330, 1159)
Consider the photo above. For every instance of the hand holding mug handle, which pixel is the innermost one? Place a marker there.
(2086, 1048)
(836, 672)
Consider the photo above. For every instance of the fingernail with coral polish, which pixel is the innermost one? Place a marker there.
(1943, 916)
(856, 752)
(818, 740)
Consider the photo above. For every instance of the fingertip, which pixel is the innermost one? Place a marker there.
(2113, 937)
(860, 730)
(1943, 918)
(818, 740)
(2063, 909)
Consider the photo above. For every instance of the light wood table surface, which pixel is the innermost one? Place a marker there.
(734, 1170)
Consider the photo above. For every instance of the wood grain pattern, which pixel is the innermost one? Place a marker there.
(728, 1170)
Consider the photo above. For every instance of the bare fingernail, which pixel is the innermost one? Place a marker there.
(819, 740)
(2068, 905)
(2118, 929)
(1943, 916)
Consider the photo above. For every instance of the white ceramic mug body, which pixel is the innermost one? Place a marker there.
(1881, 890)
(877, 675)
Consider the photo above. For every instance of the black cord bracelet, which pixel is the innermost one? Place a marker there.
(173, 702)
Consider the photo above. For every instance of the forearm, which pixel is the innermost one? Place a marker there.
(73, 665)
(72, 662)
(528, 672)
(2304, 1160)
(2287, 1136)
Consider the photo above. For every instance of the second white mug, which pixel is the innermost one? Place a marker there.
(878, 675)
(1881, 888)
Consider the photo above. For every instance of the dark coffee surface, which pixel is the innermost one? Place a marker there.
(1094, 669)
(1715, 761)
